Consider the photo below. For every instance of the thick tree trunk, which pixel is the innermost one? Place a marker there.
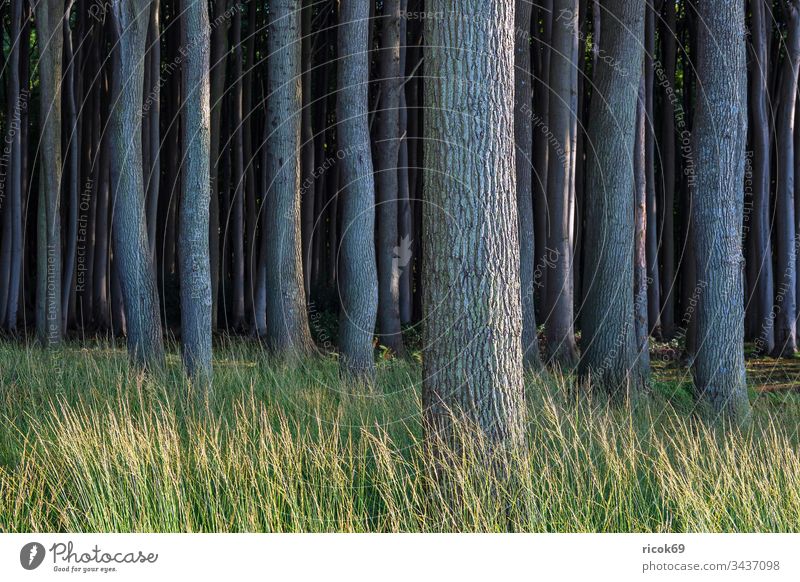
(786, 316)
(358, 274)
(195, 267)
(609, 344)
(153, 119)
(393, 255)
(523, 137)
(131, 250)
(559, 326)
(49, 18)
(473, 314)
(287, 319)
(720, 138)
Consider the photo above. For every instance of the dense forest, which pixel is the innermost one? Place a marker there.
(546, 185)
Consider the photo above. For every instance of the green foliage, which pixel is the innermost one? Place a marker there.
(86, 444)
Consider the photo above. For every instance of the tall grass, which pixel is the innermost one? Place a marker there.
(88, 445)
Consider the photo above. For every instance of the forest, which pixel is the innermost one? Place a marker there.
(399, 265)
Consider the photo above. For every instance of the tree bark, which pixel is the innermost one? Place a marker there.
(393, 255)
(720, 139)
(609, 358)
(473, 315)
(49, 18)
(786, 263)
(358, 275)
(131, 250)
(193, 250)
(287, 318)
(559, 325)
(523, 137)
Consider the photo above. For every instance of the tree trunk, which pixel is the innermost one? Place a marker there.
(393, 255)
(358, 275)
(219, 52)
(523, 137)
(720, 139)
(609, 344)
(195, 267)
(17, 101)
(541, 150)
(668, 168)
(642, 228)
(473, 314)
(786, 316)
(559, 326)
(287, 318)
(131, 250)
(652, 273)
(49, 18)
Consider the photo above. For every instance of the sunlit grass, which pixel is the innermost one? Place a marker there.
(88, 445)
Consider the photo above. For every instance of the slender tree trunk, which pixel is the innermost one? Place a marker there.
(541, 150)
(393, 254)
(642, 227)
(473, 358)
(219, 53)
(287, 318)
(153, 119)
(17, 102)
(358, 276)
(49, 18)
(131, 250)
(73, 161)
(523, 137)
(559, 326)
(195, 267)
(786, 317)
(238, 177)
(668, 277)
(720, 139)
(610, 357)
(652, 273)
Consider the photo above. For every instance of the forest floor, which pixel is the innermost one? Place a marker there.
(86, 444)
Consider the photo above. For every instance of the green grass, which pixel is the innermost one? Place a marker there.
(86, 444)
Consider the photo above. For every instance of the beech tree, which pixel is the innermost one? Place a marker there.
(131, 248)
(195, 265)
(609, 358)
(471, 282)
(287, 319)
(720, 139)
(49, 17)
(358, 277)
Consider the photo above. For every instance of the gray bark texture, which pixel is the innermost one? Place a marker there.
(609, 360)
(720, 139)
(193, 243)
(471, 276)
(785, 239)
(523, 137)
(358, 276)
(129, 228)
(559, 325)
(287, 319)
(392, 253)
(49, 17)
